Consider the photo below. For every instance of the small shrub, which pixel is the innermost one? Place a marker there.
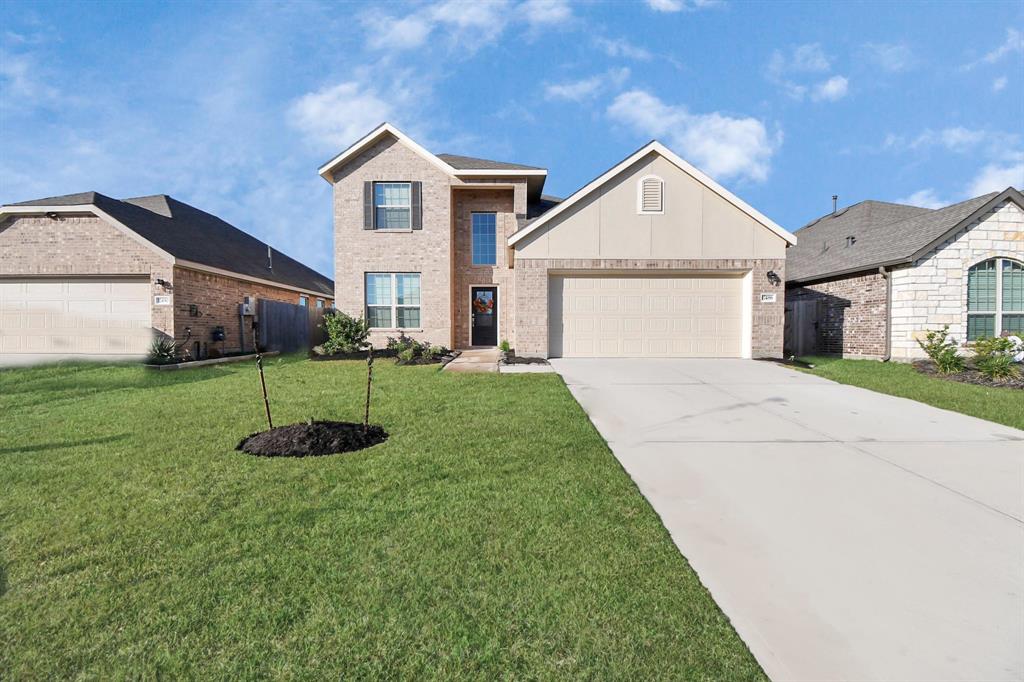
(993, 356)
(408, 349)
(942, 350)
(407, 355)
(435, 352)
(345, 334)
(504, 346)
(163, 352)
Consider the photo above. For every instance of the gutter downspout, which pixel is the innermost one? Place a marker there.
(887, 276)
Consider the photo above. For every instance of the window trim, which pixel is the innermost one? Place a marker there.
(304, 300)
(394, 305)
(375, 206)
(472, 240)
(640, 195)
(997, 313)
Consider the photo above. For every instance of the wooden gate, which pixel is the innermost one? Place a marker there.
(801, 327)
(289, 327)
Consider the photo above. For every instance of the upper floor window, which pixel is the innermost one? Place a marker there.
(392, 205)
(393, 300)
(304, 300)
(650, 195)
(320, 303)
(485, 226)
(995, 298)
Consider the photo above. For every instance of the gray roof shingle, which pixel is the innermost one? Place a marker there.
(884, 233)
(471, 163)
(191, 234)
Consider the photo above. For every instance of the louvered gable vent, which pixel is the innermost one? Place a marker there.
(651, 191)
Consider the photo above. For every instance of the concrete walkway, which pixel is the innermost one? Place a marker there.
(475, 360)
(848, 535)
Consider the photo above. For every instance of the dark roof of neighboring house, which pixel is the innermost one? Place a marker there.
(884, 234)
(471, 163)
(190, 234)
(535, 209)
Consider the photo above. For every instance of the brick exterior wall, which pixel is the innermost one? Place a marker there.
(82, 245)
(427, 251)
(217, 298)
(532, 277)
(851, 314)
(932, 291)
(466, 274)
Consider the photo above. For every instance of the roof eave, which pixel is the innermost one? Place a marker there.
(1010, 193)
(327, 170)
(847, 271)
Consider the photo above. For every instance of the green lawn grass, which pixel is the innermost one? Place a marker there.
(494, 536)
(1000, 405)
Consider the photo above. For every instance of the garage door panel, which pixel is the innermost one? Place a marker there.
(669, 316)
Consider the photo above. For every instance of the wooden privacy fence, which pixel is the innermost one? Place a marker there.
(288, 327)
(801, 329)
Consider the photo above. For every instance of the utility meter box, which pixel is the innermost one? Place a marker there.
(248, 306)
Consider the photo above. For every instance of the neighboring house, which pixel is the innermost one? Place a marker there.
(869, 280)
(84, 275)
(653, 258)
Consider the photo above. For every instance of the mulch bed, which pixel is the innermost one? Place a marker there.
(311, 440)
(968, 376)
(359, 355)
(510, 358)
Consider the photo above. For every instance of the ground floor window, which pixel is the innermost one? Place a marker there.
(995, 298)
(393, 300)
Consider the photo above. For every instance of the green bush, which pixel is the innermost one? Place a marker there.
(942, 350)
(163, 351)
(408, 349)
(345, 334)
(505, 346)
(407, 355)
(993, 356)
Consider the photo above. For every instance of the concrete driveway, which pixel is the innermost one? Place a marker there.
(847, 534)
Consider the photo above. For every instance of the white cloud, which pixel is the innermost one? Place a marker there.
(388, 33)
(995, 177)
(1014, 43)
(831, 90)
(892, 57)
(468, 24)
(338, 115)
(681, 5)
(955, 139)
(925, 198)
(999, 84)
(586, 88)
(543, 12)
(22, 83)
(723, 146)
(620, 47)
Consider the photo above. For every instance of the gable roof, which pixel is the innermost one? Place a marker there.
(472, 163)
(187, 235)
(657, 148)
(884, 234)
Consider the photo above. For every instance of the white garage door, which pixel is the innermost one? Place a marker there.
(49, 319)
(669, 316)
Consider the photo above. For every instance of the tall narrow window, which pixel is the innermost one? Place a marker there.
(304, 300)
(392, 205)
(485, 226)
(393, 300)
(650, 195)
(995, 298)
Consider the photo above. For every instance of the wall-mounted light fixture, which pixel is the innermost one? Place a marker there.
(53, 215)
(165, 284)
(774, 278)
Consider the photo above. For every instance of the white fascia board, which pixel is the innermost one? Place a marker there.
(504, 173)
(87, 208)
(371, 137)
(192, 265)
(671, 156)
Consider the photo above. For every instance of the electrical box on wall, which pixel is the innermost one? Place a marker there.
(248, 306)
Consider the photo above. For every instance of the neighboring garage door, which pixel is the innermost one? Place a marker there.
(47, 319)
(667, 316)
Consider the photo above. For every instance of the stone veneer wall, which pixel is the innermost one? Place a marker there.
(82, 245)
(466, 274)
(217, 297)
(932, 291)
(532, 277)
(852, 314)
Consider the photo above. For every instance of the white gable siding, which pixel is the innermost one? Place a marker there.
(932, 292)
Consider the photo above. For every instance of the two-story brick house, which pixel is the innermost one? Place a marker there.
(652, 258)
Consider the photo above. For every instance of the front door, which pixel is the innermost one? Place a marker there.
(484, 308)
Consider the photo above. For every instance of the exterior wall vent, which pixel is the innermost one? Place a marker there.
(650, 195)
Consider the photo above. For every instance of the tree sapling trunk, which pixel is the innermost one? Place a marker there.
(259, 366)
(369, 382)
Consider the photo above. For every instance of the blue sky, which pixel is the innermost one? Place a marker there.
(232, 106)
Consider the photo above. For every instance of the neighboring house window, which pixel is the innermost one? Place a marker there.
(392, 205)
(304, 300)
(484, 238)
(393, 300)
(650, 195)
(319, 303)
(995, 298)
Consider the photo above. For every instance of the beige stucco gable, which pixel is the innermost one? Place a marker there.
(697, 222)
